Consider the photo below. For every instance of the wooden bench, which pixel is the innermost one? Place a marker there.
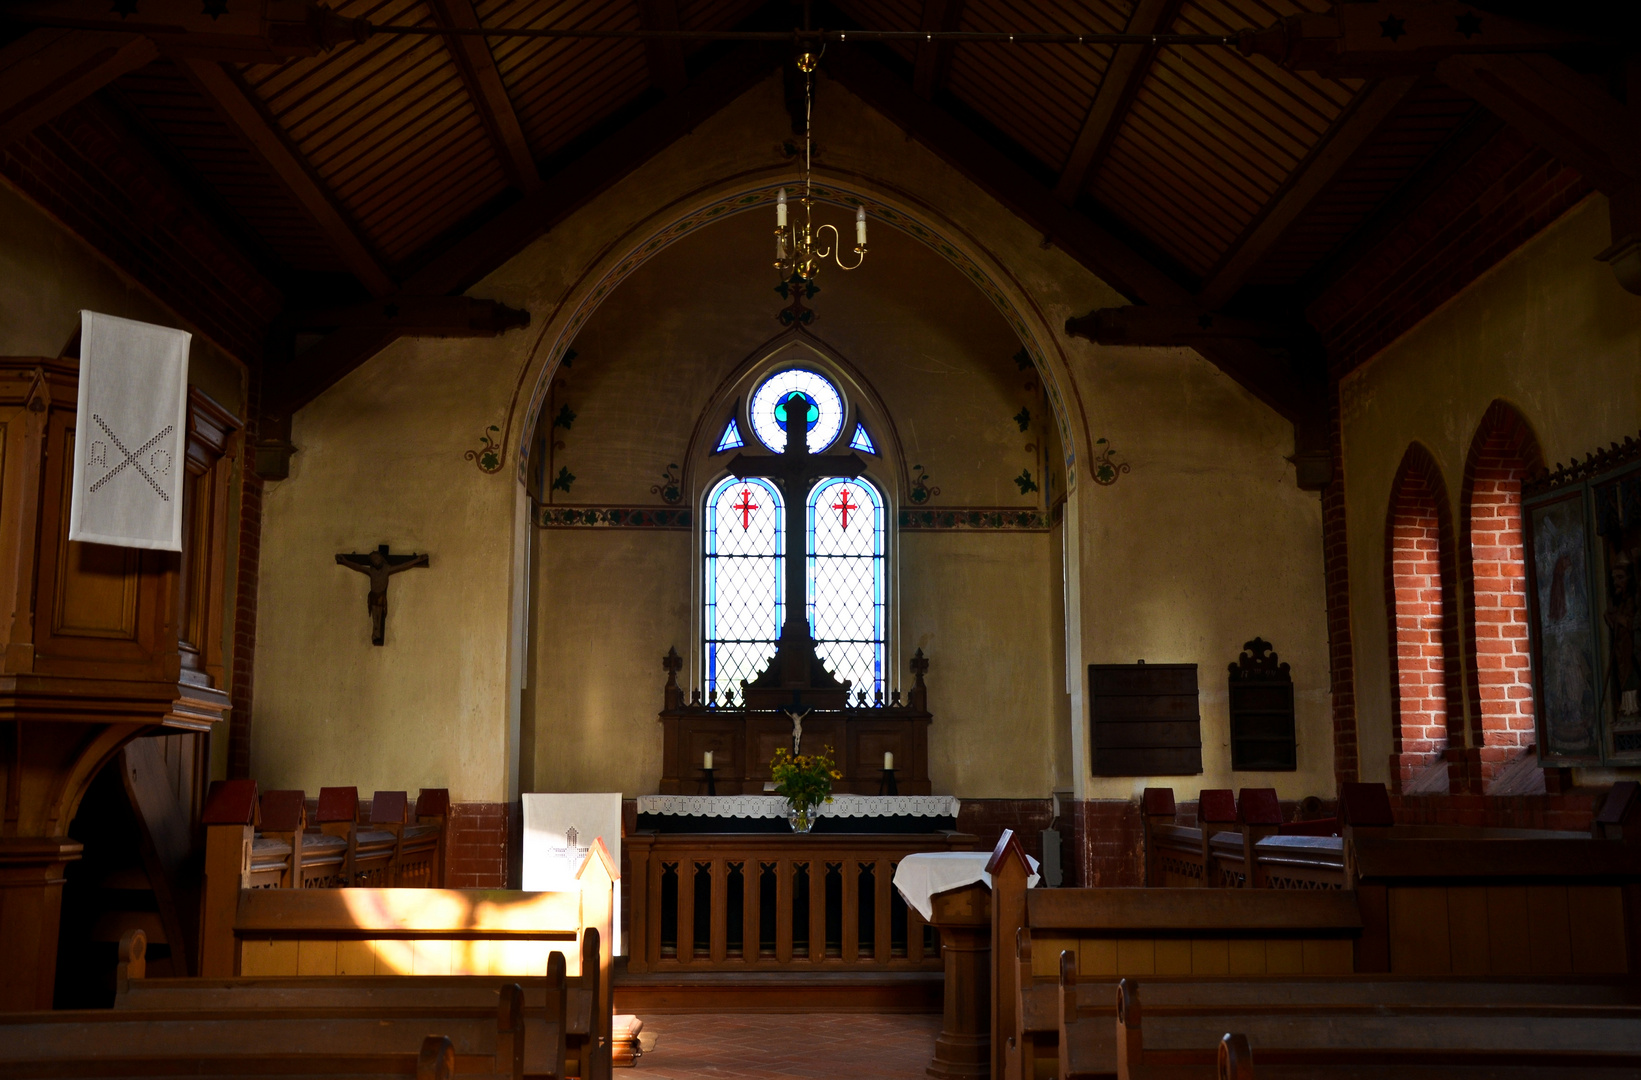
(557, 1011)
(381, 847)
(478, 1035)
(1356, 1028)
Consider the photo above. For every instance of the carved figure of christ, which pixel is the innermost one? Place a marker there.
(796, 470)
(378, 565)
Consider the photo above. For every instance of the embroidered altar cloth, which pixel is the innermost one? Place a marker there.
(774, 806)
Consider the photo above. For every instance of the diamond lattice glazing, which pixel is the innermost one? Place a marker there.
(845, 580)
(744, 561)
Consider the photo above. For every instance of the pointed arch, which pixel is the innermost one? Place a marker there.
(1493, 568)
(1426, 707)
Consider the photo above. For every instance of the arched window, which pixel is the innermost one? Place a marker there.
(1423, 623)
(1494, 569)
(846, 580)
(745, 545)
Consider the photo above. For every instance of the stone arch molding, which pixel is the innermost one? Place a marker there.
(884, 205)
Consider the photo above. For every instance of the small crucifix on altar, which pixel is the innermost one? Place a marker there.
(378, 565)
(796, 671)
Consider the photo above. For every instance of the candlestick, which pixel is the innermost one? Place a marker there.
(888, 760)
(780, 210)
(860, 227)
(706, 760)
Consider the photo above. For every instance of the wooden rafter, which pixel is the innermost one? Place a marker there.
(1270, 378)
(1129, 64)
(504, 236)
(666, 58)
(1366, 112)
(934, 58)
(244, 115)
(483, 81)
(46, 72)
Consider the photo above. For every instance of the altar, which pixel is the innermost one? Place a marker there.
(767, 814)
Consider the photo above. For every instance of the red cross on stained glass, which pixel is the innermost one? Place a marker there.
(745, 506)
(843, 505)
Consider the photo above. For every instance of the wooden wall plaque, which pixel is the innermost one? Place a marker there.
(1262, 723)
(1143, 720)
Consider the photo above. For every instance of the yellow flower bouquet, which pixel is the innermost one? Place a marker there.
(804, 781)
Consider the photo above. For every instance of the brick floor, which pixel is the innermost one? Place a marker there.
(815, 1046)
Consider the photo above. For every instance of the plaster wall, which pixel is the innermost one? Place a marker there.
(1549, 331)
(380, 462)
(1205, 544)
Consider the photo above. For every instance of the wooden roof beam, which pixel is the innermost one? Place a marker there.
(46, 72)
(666, 58)
(1298, 395)
(1362, 117)
(1129, 65)
(235, 104)
(934, 59)
(484, 85)
(514, 229)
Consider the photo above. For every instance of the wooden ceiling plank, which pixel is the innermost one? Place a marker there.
(244, 116)
(45, 72)
(665, 58)
(1308, 181)
(934, 58)
(496, 241)
(483, 79)
(1122, 80)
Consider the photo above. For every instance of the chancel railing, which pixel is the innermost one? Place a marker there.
(743, 902)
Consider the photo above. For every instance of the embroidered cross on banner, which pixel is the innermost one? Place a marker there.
(159, 466)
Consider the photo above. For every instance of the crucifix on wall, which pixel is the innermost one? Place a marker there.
(378, 565)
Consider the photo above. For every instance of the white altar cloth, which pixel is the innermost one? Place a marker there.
(920, 876)
(774, 806)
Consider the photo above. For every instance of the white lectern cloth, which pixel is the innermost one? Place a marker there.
(920, 876)
(129, 434)
(558, 831)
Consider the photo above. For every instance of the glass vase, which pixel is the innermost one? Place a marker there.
(802, 818)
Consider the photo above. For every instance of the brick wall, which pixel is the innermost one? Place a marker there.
(1494, 569)
(987, 818)
(1422, 619)
(1336, 582)
(478, 844)
(1104, 846)
(1571, 810)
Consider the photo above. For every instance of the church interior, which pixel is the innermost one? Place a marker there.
(814, 538)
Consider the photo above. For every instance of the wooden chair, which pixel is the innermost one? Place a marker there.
(370, 852)
(422, 857)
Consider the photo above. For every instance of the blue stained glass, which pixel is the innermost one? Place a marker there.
(862, 441)
(742, 585)
(826, 407)
(846, 592)
(731, 438)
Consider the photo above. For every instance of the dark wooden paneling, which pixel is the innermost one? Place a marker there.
(1143, 720)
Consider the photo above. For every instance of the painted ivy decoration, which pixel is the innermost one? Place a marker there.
(1106, 470)
(670, 488)
(1023, 418)
(921, 491)
(1027, 484)
(564, 479)
(488, 456)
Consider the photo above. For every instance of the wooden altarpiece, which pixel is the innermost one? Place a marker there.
(743, 736)
(98, 645)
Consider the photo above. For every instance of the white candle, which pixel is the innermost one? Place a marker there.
(860, 227)
(780, 210)
(888, 761)
(706, 760)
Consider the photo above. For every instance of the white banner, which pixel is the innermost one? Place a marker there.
(558, 831)
(130, 434)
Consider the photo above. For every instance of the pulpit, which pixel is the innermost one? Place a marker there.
(102, 644)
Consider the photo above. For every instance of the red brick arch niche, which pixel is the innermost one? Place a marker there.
(1492, 565)
(1426, 709)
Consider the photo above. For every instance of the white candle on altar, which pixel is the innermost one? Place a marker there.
(706, 760)
(888, 761)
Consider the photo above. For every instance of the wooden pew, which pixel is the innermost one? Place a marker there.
(481, 1040)
(547, 1002)
(1367, 1028)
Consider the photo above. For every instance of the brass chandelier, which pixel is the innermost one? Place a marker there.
(796, 243)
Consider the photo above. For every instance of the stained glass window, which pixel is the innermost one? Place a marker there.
(846, 584)
(862, 441)
(768, 416)
(730, 439)
(742, 585)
